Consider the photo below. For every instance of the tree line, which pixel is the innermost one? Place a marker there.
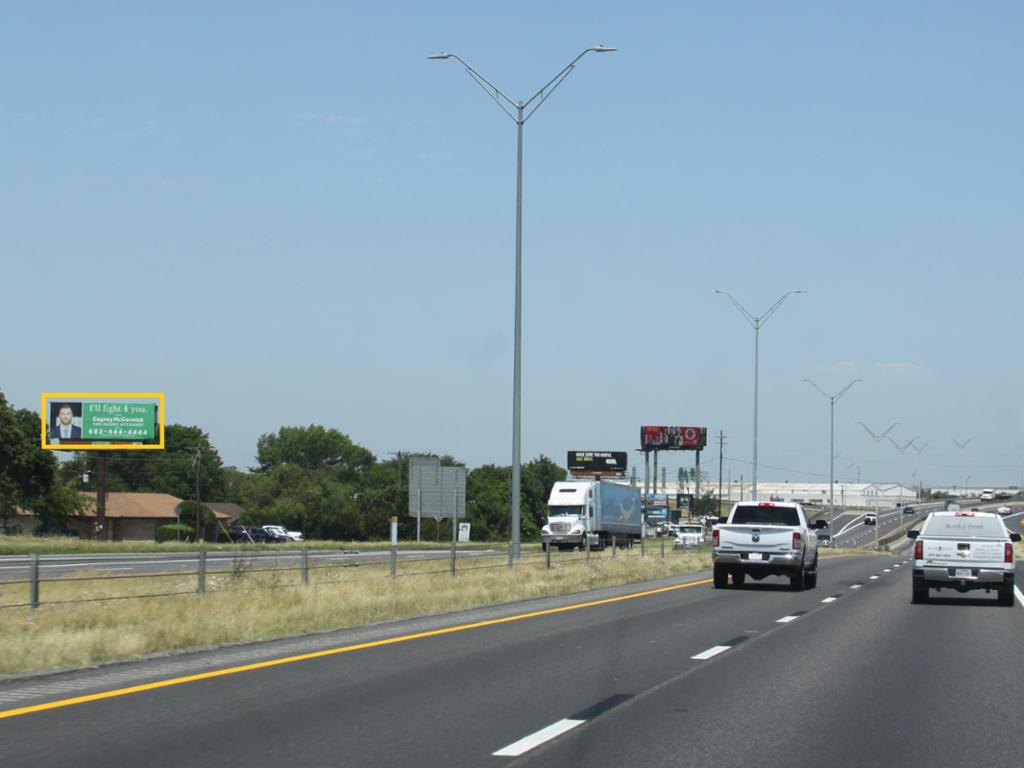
(313, 479)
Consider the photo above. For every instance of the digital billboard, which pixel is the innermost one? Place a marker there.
(673, 438)
(82, 421)
(597, 462)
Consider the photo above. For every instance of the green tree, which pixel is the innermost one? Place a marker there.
(28, 475)
(314, 447)
(538, 478)
(487, 501)
(171, 470)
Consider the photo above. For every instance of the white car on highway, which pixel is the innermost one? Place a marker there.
(963, 551)
(765, 538)
(688, 535)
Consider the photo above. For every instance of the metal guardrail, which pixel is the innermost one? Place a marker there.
(244, 566)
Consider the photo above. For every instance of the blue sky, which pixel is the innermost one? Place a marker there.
(287, 215)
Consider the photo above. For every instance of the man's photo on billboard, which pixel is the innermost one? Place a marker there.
(65, 421)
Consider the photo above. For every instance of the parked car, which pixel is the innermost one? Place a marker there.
(870, 519)
(253, 534)
(280, 530)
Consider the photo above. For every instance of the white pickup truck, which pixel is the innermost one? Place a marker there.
(764, 538)
(963, 551)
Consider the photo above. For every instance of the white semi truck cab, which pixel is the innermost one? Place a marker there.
(601, 510)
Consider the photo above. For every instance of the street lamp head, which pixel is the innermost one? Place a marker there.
(441, 55)
(800, 290)
(602, 49)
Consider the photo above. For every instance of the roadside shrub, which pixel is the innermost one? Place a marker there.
(174, 532)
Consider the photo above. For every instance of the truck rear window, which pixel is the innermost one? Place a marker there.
(962, 527)
(751, 515)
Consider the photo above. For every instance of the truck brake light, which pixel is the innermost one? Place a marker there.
(919, 550)
(714, 538)
(766, 504)
(796, 539)
(1008, 552)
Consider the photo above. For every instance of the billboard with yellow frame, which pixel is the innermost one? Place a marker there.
(107, 421)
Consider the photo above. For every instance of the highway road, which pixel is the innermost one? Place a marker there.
(674, 674)
(16, 567)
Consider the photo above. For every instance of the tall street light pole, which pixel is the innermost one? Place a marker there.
(832, 445)
(756, 322)
(520, 112)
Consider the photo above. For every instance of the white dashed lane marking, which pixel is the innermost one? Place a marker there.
(710, 652)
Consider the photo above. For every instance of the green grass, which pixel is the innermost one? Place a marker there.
(246, 605)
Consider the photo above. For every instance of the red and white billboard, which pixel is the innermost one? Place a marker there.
(673, 438)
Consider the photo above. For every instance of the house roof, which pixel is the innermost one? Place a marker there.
(226, 509)
(140, 505)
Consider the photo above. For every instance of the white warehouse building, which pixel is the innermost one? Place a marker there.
(881, 495)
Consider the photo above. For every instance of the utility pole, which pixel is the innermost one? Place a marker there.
(197, 463)
(721, 453)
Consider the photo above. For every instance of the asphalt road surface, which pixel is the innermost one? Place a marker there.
(848, 674)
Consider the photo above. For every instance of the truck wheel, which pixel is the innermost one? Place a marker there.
(1006, 596)
(811, 578)
(721, 577)
(920, 593)
(738, 578)
(796, 580)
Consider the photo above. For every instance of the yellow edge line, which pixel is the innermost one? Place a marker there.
(329, 652)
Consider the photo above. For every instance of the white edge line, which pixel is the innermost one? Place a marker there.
(527, 743)
(1020, 597)
(786, 619)
(710, 652)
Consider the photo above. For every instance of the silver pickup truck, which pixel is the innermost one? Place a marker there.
(764, 538)
(964, 551)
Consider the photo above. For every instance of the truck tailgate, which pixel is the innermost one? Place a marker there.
(963, 552)
(755, 538)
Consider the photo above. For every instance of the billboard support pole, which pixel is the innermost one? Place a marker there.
(655, 470)
(696, 478)
(647, 477)
(101, 495)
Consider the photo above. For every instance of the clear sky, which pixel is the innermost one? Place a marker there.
(283, 213)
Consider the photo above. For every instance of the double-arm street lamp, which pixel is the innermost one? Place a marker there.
(832, 445)
(520, 112)
(756, 322)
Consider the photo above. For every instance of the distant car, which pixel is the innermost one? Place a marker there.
(689, 535)
(1003, 509)
(870, 519)
(253, 534)
(280, 530)
(951, 505)
(824, 539)
(908, 510)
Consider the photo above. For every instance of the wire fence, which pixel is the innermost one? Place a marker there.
(246, 572)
